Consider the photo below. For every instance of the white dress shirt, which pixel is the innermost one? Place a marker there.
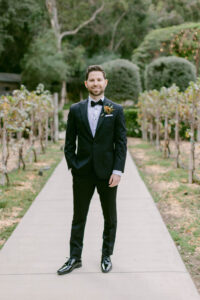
(93, 116)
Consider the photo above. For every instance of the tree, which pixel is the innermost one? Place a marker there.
(174, 12)
(20, 22)
(43, 63)
(56, 26)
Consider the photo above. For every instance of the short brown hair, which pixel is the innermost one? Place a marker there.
(94, 68)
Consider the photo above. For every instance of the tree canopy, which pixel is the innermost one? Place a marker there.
(120, 27)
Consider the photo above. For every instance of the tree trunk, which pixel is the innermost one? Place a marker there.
(111, 46)
(53, 14)
(151, 130)
(198, 126)
(46, 130)
(166, 139)
(192, 147)
(31, 129)
(63, 95)
(56, 129)
(177, 136)
(197, 61)
(4, 169)
(157, 130)
(144, 126)
(21, 159)
(52, 130)
(19, 134)
(40, 136)
(8, 148)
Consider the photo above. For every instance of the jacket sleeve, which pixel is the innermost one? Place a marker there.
(70, 140)
(120, 141)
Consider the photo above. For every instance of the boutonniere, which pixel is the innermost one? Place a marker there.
(108, 109)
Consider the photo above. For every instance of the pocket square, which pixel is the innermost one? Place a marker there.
(108, 115)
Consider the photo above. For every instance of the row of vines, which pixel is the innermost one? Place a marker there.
(159, 111)
(26, 116)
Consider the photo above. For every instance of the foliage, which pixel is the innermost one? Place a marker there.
(62, 124)
(132, 126)
(165, 71)
(131, 18)
(173, 12)
(169, 106)
(186, 43)
(124, 80)
(116, 31)
(24, 111)
(20, 22)
(157, 43)
(43, 62)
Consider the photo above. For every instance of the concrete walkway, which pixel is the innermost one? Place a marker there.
(146, 263)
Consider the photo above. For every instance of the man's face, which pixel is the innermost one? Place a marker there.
(96, 83)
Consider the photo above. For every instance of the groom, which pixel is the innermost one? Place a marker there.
(97, 160)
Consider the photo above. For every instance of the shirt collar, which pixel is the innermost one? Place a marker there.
(90, 99)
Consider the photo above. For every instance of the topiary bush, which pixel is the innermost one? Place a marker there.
(123, 80)
(165, 71)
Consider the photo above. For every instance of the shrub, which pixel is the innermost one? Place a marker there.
(157, 44)
(181, 40)
(165, 71)
(132, 126)
(124, 80)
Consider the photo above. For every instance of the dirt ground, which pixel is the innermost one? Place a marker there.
(13, 156)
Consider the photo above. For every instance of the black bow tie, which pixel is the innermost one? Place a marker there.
(93, 103)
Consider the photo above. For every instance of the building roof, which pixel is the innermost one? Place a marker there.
(10, 77)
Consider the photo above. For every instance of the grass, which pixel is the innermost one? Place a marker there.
(24, 187)
(183, 242)
(174, 174)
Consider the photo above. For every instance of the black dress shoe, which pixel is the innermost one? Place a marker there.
(69, 266)
(106, 264)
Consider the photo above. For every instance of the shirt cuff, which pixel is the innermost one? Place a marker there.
(117, 172)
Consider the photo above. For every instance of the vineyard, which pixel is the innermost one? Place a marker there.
(160, 111)
(28, 120)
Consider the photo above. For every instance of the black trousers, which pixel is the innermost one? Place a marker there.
(83, 190)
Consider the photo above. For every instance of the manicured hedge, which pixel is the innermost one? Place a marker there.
(165, 71)
(132, 126)
(124, 80)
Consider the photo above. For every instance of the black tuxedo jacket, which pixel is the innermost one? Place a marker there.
(104, 152)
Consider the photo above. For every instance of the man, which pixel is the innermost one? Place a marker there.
(97, 160)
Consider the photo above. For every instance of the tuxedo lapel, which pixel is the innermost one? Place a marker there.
(84, 115)
(102, 116)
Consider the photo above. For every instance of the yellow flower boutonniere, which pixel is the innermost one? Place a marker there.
(108, 109)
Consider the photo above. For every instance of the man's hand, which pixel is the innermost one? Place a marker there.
(114, 180)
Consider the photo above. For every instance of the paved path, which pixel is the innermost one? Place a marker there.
(146, 263)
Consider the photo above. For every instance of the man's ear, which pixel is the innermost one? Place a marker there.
(85, 82)
(106, 82)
